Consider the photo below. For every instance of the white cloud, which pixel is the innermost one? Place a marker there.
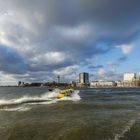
(55, 57)
(67, 70)
(101, 73)
(126, 48)
(7, 79)
(112, 65)
(79, 32)
(50, 58)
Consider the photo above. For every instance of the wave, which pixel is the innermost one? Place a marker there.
(127, 128)
(21, 108)
(46, 98)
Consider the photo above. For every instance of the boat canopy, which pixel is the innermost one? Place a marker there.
(66, 90)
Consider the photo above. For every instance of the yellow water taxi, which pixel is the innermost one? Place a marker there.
(65, 92)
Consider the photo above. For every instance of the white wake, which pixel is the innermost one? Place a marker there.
(19, 104)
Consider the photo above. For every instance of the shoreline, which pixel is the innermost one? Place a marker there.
(73, 87)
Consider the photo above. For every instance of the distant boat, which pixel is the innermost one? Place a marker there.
(50, 89)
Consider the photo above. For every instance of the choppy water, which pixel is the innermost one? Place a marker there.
(91, 114)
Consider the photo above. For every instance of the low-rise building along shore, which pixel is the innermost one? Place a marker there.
(103, 84)
(133, 83)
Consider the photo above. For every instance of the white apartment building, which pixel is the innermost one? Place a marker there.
(102, 84)
(129, 76)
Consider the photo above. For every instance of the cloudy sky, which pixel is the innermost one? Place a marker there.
(40, 39)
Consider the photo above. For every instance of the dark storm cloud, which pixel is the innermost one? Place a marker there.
(109, 15)
(92, 67)
(11, 61)
(40, 76)
(48, 67)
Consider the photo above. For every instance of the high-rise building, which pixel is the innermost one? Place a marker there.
(84, 78)
(129, 76)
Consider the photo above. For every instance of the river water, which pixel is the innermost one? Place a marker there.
(90, 114)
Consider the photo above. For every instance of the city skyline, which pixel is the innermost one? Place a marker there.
(41, 39)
